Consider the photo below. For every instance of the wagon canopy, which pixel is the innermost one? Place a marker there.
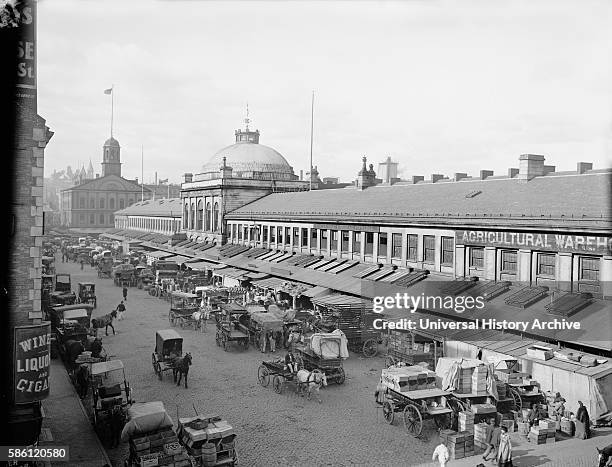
(145, 418)
(232, 308)
(267, 321)
(330, 345)
(106, 367)
(166, 339)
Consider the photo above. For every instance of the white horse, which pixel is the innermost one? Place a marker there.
(310, 381)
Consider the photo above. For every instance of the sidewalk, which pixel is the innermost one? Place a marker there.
(569, 452)
(68, 423)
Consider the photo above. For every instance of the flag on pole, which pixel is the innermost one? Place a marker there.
(108, 91)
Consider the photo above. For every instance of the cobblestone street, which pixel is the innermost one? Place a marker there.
(272, 429)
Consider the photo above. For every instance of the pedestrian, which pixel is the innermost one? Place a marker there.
(82, 264)
(290, 362)
(492, 440)
(442, 454)
(583, 428)
(125, 291)
(504, 451)
(262, 341)
(534, 416)
(272, 342)
(120, 311)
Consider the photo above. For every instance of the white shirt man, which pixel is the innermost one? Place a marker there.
(442, 454)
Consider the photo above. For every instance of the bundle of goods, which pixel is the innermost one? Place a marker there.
(567, 426)
(408, 378)
(537, 435)
(479, 380)
(152, 440)
(481, 409)
(539, 352)
(209, 439)
(510, 377)
(481, 434)
(466, 421)
(551, 427)
(464, 381)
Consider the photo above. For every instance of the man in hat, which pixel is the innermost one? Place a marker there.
(582, 416)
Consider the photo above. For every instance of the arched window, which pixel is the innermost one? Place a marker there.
(101, 203)
(216, 218)
(208, 226)
(101, 218)
(186, 214)
(199, 215)
(111, 203)
(192, 217)
(121, 203)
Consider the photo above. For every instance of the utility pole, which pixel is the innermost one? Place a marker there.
(311, 135)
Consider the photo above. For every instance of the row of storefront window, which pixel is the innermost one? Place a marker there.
(146, 223)
(102, 203)
(92, 218)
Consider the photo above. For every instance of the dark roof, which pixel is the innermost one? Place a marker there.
(568, 200)
(159, 207)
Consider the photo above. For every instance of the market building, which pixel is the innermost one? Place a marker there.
(162, 216)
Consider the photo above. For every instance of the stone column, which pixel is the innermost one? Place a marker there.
(523, 266)
(339, 245)
(375, 247)
(460, 268)
(490, 263)
(564, 271)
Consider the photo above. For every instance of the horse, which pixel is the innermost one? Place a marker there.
(115, 425)
(82, 380)
(104, 322)
(72, 349)
(312, 380)
(180, 367)
(604, 455)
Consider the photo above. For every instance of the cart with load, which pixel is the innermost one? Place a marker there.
(48, 263)
(412, 392)
(69, 323)
(324, 352)
(111, 395)
(412, 349)
(184, 310)
(261, 324)
(87, 293)
(152, 439)
(229, 327)
(63, 294)
(168, 347)
(209, 439)
(105, 268)
(124, 275)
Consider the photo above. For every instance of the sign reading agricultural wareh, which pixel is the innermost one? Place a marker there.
(32, 360)
(536, 241)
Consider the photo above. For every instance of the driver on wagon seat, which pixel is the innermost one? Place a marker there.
(290, 362)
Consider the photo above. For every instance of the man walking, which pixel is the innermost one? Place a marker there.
(442, 454)
(125, 291)
(492, 441)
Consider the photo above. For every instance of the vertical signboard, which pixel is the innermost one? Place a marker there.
(26, 51)
(32, 362)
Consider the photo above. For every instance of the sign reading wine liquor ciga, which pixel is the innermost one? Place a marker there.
(32, 361)
(536, 241)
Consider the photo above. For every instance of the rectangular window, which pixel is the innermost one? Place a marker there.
(448, 250)
(323, 239)
(265, 232)
(429, 248)
(296, 236)
(279, 232)
(272, 234)
(396, 245)
(508, 261)
(356, 242)
(382, 244)
(369, 243)
(304, 237)
(476, 257)
(546, 264)
(313, 238)
(334, 240)
(589, 269)
(287, 235)
(413, 245)
(345, 241)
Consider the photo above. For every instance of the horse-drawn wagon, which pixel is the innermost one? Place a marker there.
(168, 355)
(70, 324)
(324, 352)
(209, 439)
(184, 310)
(412, 391)
(111, 395)
(124, 275)
(261, 325)
(229, 327)
(87, 293)
(105, 268)
(305, 381)
(63, 294)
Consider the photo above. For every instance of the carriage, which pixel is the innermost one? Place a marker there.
(324, 352)
(229, 327)
(411, 391)
(168, 347)
(281, 376)
(48, 263)
(258, 323)
(124, 275)
(183, 310)
(71, 322)
(87, 293)
(63, 294)
(110, 393)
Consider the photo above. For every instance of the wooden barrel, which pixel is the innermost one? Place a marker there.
(209, 454)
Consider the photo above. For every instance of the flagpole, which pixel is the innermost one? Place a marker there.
(142, 173)
(311, 132)
(112, 106)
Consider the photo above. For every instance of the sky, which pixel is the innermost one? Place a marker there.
(439, 86)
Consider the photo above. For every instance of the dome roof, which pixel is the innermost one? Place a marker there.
(246, 156)
(111, 142)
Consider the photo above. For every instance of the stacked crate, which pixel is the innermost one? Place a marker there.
(481, 434)
(551, 427)
(464, 381)
(567, 426)
(537, 435)
(408, 378)
(509, 377)
(466, 421)
(479, 379)
(501, 390)
(461, 445)
(159, 449)
(468, 437)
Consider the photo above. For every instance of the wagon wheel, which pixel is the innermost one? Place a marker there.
(389, 361)
(263, 376)
(517, 399)
(370, 348)
(443, 422)
(341, 376)
(413, 420)
(388, 412)
(278, 384)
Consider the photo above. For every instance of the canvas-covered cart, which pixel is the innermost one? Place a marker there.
(324, 352)
(168, 347)
(87, 293)
(262, 324)
(229, 327)
(184, 310)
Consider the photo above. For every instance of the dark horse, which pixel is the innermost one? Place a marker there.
(72, 349)
(104, 322)
(180, 367)
(604, 455)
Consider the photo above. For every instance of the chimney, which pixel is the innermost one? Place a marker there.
(417, 178)
(460, 175)
(582, 167)
(226, 171)
(484, 174)
(549, 169)
(512, 172)
(436, 177)
(188, 177)
(530, 166)
(136, 180)
(301, 175)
